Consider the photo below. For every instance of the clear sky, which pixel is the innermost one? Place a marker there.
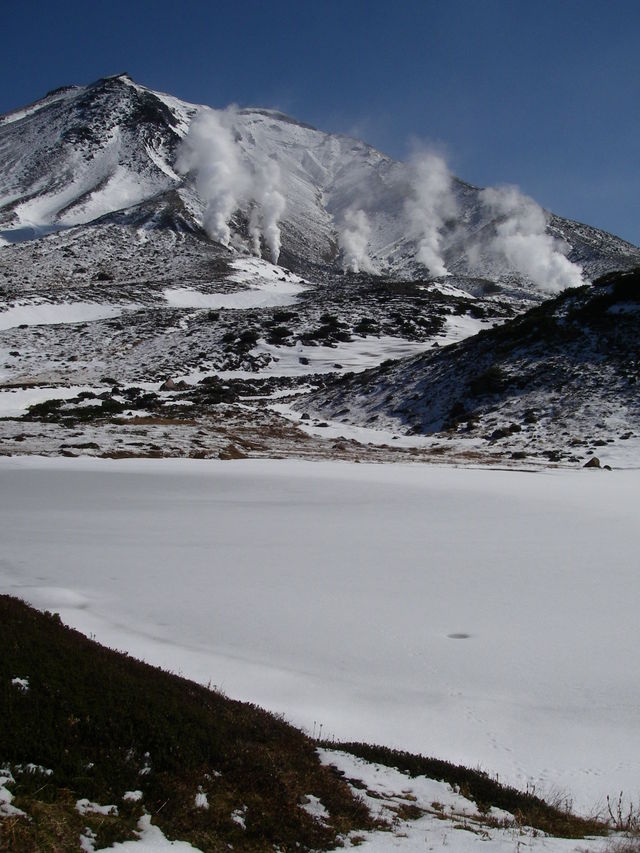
(541, 93)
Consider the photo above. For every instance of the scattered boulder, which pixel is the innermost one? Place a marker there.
(170, 385)
(594, 462)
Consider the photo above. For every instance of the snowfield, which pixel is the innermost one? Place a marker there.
(44, 314)
(485, 617)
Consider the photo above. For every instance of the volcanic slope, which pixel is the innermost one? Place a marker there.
(109, 152)
(111, 282)
(560, 381)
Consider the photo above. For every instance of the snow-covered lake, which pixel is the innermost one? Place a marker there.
(485, 617)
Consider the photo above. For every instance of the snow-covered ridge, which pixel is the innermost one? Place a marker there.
(87, 152)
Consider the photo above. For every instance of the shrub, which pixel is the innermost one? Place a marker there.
(490, 381)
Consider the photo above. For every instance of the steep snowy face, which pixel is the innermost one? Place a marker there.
(258, 182)
(82, 153)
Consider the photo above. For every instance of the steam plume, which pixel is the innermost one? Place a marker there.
(522, 240)
(353, 239)
(210, 151)
(431, 205)
(225, 181)
(269, 208)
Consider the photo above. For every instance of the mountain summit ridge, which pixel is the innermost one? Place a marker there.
(84, 153)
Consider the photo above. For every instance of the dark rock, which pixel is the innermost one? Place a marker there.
(594, 462)
(231, 452)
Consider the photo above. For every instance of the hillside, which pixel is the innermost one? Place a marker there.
(209, 769)
(560, 381)
(97, 748)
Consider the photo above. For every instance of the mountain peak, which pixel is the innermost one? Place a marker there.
(272, 183)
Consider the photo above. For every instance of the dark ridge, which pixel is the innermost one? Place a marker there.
(60, 90)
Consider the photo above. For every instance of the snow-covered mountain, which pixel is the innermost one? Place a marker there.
(130, 225)
(115, 150)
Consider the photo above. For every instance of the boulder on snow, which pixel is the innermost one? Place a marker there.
(594, 462)
(170, 385)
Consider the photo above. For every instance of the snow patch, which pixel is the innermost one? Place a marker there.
(201, 801)
(239, 817)
(132, 796)
(14, 402)
(150, 839)
(85, 806)
(6, 797)
(47, 313)
(313, 806)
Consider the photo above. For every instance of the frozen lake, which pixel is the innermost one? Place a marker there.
(485, 617)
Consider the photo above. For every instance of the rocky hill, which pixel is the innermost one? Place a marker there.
(559, 381)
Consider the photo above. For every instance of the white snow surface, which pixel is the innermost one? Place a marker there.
(151, 840)
(132, 796)
(6, 809)
(270, 286)
(85, 806)
(14, 402)
(485, 617)
(450, 820)
(312, 805)
(238, 816)
(46, 313)
(201, 800)
(250, 269)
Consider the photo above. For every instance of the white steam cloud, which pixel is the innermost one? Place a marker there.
(225, 181)
(353, 240)
(210, 151)
(522, 240)
(430, 206)
(268, 210)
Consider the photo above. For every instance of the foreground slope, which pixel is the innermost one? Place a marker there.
(93, 724)
(560, 380)
(99, 747)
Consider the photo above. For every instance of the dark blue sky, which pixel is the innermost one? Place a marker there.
(542, 94)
